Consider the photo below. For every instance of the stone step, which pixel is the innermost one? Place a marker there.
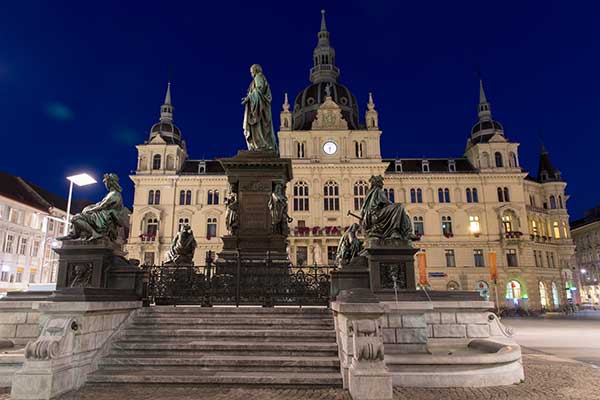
(225, 363)
(292, 311)
(247, 326)
(196, 377)
(234, 321)
(137, 334)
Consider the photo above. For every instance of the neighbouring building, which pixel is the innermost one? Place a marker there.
(30, 220)
(462, 207)
(586, 235)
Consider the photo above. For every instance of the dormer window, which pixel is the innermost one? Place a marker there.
(398, 164)
(202, 167)
(451, 165)
(425, 166)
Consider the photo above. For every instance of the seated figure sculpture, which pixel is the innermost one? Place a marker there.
(103, 219)
(183, 247)
(349, 245)
(383, 219)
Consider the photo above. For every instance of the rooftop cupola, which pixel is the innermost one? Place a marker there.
(324, 68)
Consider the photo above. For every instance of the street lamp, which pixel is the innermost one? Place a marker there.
(79, 180)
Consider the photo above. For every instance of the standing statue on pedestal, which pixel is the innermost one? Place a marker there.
(349, 246)
(383, 219)
(258, 123)
(183, 247)
(278, 204)
(232, 220)
(103, 219)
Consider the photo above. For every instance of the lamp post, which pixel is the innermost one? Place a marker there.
(79, 180)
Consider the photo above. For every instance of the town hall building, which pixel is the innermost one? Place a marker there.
(463, 209)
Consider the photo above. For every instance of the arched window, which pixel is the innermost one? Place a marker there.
(508, 220)
(182, 197)
(156, 161)
(447, 226)
(358, 149)
(360, 191)
(390, 195)
(560, 202)
(331, 198)
(532, 200)
(452, 285)
(413, 196)
(213, 197)
(418, 225)
(555, 296)
(512, 160)
(552, 202)
(469, 196)
(157, 197)
(419, 196)
(503, 195)
(143, 165)
(211, 228)
(506, 195)
(484, 289)
(440, 195)
(151, 197)
(499, 159)
(151, 228)
(182, 221)
(556, 230)
(513, 291)
(188, 197)
(447, 195)
(444, 195)
(216, 198)
(301, 196)
(543, 294)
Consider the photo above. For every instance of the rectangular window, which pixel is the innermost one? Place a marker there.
(13, 216)
(4, 276)
(19, 277)
(447, 226)
(535, 258)
(450, 259)
(8, 243)
(301, 255)
(552, 260)
(331, 253)
(511, 258)
(478, 258)
(418, 225)
(23, 246)
(474, 226)
(50, 225)
(32, 273)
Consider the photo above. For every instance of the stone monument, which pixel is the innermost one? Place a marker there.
(92, 266)
(182, 249)
(257, 218)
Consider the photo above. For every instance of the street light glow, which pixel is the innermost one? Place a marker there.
(81, 179)
(583, 271)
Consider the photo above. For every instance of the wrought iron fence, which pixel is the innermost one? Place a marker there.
(243, 282)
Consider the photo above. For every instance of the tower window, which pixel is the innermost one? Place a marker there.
(156, 161)
(552, 202)
(499, 159)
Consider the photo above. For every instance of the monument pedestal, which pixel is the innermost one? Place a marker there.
(253, 175)
(96, 271)
(390, 261)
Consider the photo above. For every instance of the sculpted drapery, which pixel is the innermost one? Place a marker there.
(258, 122)
(382, 219)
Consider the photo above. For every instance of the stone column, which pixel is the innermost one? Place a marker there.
(358, 315)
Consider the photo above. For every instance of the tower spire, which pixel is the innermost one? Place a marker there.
(484, 109)
(324, 69)
(166, 110)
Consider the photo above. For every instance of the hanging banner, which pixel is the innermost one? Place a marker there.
(493, 266)
(422, 263)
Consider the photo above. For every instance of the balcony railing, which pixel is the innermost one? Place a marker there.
(147, 238)
(305, 231)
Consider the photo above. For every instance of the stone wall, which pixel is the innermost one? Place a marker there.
(19, 321)
(74, 335)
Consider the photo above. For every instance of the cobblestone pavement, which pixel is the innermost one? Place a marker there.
(546, 378)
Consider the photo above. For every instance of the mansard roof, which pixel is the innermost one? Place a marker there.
(193, 167)
(436, 165)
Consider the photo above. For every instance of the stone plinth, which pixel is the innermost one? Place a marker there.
(96, 271)
(388, 258)
(73, 336)
(404, 326)
(354, 275)
(254, 175)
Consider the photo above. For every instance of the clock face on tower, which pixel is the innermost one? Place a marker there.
(329, 148)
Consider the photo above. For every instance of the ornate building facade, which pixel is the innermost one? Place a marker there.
(463, 208)
(586, 235)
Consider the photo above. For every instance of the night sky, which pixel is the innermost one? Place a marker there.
(81, 82)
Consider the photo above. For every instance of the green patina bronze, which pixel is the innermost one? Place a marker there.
(103, 219)
(258, 122)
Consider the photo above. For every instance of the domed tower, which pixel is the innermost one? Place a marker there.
(165, 150)
(324, 77)
(487, 147)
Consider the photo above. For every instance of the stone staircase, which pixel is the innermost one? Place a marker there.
(225, 346)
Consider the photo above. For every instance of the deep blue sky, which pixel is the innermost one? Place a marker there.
(81, 82)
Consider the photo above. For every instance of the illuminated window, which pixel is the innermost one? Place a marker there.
(474, 226)
(556, 230)
(447, 226)
(478, 258)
